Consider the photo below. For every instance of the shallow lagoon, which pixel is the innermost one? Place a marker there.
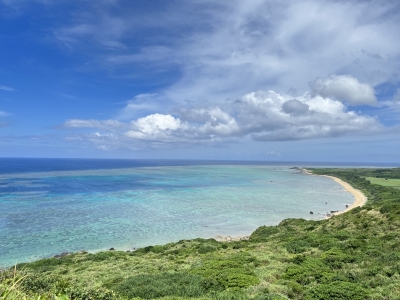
(49, 212)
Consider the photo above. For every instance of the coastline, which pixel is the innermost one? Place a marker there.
(359, 198)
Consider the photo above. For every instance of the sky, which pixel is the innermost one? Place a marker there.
(312, 80)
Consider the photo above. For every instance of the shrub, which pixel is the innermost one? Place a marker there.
(263, 233)
(312, 269)
(390, 208)
(106, 255)
(298, 246)
(270, 297)
(230, 272)
(206, 249)
(150, 286)
(337, 291)
(51, 285)
(39, 283)
(342, 235)
(335, 258)
(154, 249)
(295, 289)
(90, 294)
(356, 210)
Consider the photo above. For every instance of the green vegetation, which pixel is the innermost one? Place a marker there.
(385, 181)
(355, 255)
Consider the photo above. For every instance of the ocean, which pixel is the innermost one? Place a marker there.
(50, 206)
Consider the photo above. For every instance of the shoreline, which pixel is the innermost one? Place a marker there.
(359, 198)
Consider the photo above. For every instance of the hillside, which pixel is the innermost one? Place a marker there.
(350, 256)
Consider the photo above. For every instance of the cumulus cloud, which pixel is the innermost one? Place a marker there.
(344, 88)
(295, 107)
(263, 116)
(154, 127)
(210, 121)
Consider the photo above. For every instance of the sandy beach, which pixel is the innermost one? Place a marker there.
(359, 200)
(359, 197)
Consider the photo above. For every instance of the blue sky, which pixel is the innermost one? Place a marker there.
(205, 79)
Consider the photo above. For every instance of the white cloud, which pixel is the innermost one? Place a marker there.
(104, 124)
(224, 49)
(7, 88)
(211, 121)
(139, 105)
(154, 127)
(344, 88)
(263, 116)
(230, 48)
(396, 96)
(251, 45)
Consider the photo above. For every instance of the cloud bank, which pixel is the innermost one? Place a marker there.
(213, 72)
(225, 49)
(261, 116)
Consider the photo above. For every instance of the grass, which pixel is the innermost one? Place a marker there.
(391, 182)
(355, 255)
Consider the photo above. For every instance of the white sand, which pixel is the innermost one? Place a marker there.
(360, 198)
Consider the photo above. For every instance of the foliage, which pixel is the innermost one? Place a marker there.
(150, 286)
(337, 291)
(227, 272)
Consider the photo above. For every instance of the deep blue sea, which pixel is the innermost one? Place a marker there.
(50, 206)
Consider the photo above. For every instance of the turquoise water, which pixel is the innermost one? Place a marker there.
(46, 213)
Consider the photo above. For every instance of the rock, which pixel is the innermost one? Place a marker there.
(62, 254)
(311, 213)
(111, 249)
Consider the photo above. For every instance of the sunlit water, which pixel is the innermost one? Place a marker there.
(46, 213)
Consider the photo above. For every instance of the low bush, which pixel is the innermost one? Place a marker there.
(298, 246)
(230, 272)
(263, 233)
(337, 291)
(150, 286)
